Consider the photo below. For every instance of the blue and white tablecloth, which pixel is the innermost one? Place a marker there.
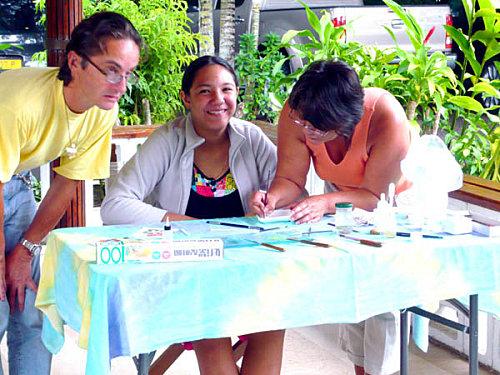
(125, 310)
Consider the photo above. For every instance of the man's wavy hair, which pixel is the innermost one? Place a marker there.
(329, 96)
(89, 37)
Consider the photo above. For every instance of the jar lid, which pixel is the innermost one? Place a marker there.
(343, 205)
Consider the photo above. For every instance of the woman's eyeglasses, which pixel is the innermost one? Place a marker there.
(111, 75)
(307, 127)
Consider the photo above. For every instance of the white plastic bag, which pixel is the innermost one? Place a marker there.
(434, 172)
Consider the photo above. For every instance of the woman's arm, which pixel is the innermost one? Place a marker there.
(293, 165)
(388, 144)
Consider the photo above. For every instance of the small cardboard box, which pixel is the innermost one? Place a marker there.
(119, 251)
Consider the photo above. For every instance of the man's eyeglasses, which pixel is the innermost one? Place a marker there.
(112, 75)
(308, 128)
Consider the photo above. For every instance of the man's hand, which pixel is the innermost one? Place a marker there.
(2, 276)
(18, 276)
(310, 210)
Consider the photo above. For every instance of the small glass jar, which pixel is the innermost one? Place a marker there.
(343, 216)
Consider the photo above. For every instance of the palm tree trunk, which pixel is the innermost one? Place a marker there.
(411, 107)
(227, 30)
(254, 26)
(437, 120)
(206, 27)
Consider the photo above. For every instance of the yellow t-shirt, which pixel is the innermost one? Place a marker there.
(34, 123)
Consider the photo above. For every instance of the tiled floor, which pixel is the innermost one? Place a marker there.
(306, 353)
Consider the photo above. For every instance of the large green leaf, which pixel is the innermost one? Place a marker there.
(467, 102)
(468, 12)
(290, 34)
(488, 13)
(484, 36)
(431, 86)
(326, 27)
(485, 87)
(312, 18)
(413, 30)
(391, 33)
(492, 49)
(466, 47)
(489, 22)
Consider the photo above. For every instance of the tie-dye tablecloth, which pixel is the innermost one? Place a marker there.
(124, 310)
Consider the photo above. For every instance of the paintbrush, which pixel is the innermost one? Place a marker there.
(362, 240)
(265, 244)
(314, 243)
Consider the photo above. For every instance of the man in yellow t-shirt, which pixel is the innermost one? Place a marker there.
(46, 113)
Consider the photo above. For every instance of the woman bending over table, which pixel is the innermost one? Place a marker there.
(204, 165)
(356, 139)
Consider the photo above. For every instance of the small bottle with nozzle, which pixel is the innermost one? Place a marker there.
(168, 233)
(385, 215)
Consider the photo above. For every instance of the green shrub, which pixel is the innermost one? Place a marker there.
(257, 71)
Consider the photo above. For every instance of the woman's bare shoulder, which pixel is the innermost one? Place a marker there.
(389, 125)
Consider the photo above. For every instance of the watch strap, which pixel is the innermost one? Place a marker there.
(33, 248)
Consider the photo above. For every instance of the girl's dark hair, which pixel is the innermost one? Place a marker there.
(89, 37)
(193, 68)
(329, 96)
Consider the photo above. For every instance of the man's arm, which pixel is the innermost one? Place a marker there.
(18, 265)
(2, 247)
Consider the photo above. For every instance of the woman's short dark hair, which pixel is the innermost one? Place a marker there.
(201, 62)
(89, 37)
(329, 96)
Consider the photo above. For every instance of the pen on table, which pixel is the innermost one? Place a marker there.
(309, 232)
(408, 234)
(268, 185)
(265, 244)
(362, 240)
(236, 225)
(314, 243)
(265, 203)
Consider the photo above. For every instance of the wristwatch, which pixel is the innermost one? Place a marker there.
(33, 248)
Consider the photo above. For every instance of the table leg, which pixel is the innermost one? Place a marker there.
(143, 361)
(404, 332)
(473, 335)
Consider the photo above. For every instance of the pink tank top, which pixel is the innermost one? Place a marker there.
(348, 174)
